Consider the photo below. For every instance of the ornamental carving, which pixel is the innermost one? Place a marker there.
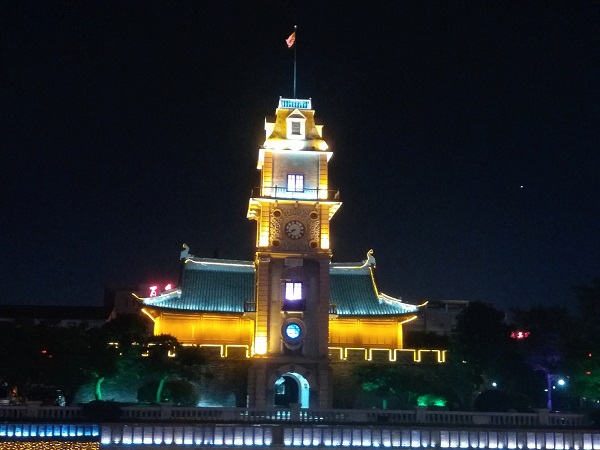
(295, 211)
(295, 246)
(275, 228)
(314, 226)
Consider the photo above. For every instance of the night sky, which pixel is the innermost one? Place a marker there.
(465, 138)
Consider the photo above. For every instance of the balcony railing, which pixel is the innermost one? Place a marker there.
(294, 305)
(306, 194)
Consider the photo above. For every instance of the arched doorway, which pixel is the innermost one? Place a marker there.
(291, 388)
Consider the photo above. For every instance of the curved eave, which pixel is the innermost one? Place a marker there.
(180, 311)
(167, 296)
(410, 308)
(355, 294)
(407, 316)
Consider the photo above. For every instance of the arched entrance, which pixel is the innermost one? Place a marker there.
(291, 388)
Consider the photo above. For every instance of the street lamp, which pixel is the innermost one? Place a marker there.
(550, 377)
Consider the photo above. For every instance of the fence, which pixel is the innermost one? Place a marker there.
(541, 418)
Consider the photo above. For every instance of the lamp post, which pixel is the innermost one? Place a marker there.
(550, 377)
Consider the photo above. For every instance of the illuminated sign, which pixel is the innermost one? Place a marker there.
(519, 334)
(294, 103)
(154, 290)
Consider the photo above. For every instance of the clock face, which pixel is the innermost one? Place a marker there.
(294, 229)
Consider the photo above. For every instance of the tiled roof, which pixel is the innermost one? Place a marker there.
(353, 291)
(211, 285)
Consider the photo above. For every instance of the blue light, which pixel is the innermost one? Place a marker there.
(293, 331)
(294, 103)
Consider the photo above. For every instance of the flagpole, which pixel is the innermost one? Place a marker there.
(295, 48)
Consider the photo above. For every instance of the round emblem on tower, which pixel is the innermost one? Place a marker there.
(293, 332)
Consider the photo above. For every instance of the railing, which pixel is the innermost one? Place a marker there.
(541, 418)
(306, 194)
(294, 305)
(35, 411)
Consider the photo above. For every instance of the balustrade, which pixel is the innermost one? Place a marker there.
(167, 412)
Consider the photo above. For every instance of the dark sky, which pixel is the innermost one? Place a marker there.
(465, 138)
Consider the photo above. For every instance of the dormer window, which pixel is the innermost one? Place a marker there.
(295, 182)
(296, 125)
(296, 128)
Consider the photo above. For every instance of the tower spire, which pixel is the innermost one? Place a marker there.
(295, 49)
(291, 42)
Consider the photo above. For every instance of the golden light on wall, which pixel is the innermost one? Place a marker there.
(364, 333)
(322, 145)
(263, 238)
(206, 329)
(260, 345)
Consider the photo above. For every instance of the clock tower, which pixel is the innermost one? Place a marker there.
(293, 207)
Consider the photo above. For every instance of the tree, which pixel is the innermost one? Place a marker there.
(481, 350)
(19, 353)
(166, 358)
(404, 384)
(584, 355)
(117, 348)
(101, 361)
(588, 307)
(127, 330)
(544, 348)
(47, 354)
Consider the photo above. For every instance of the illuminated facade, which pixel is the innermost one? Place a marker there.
(291, 310)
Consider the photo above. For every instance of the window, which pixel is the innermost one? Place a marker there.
(295, 182)
(293, 297)
(296, 128)
(293, 291)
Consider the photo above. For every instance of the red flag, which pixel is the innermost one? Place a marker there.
(290, 41)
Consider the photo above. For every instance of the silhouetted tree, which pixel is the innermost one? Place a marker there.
(481, 350)
(168, 359)
(584, 351)
(544, 349)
